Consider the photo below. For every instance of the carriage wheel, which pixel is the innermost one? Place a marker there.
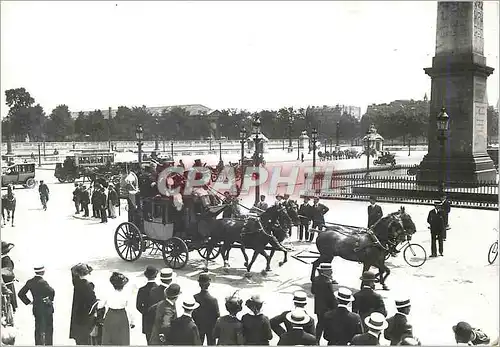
(209, 251)
(175, 253)
(493, 252)
(414, 255)
(71, 179)
(61, 180)
(30, 183)
(128, 241)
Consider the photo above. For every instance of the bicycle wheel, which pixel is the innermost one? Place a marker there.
(414, 255)
(493, 252)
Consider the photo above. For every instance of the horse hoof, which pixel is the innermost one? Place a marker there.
(281, 263)
(335, 282)
(246, 264)
(205, 269)
(248, 274)
(384, 287)
(263, 273)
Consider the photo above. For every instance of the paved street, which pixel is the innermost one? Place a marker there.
(459, 286)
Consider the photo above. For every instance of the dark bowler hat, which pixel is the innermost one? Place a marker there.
(373, 198)
(150, 272)
(172, 291)
(6, 247)
(463, 330)
(204, 278)
(368, 276)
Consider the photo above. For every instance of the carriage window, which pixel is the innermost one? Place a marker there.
(158, 212)
(147, 207)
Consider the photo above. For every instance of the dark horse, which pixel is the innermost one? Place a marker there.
(357, 245)
(9, 204)
(253, 233)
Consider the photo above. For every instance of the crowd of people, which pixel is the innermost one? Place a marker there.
(340, 316)
(103, 198)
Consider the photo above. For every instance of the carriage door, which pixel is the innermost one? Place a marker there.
(156, 226)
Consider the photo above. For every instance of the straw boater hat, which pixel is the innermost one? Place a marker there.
(6, 247)
(166, 275)
(344, 294)
(39, 269)
(376, 321)
(325, 267)
(300, 297)
(438, 203)
(400, 303)
(298, 317)
(190, 304)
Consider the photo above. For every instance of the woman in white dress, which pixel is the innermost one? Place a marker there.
(117, 322)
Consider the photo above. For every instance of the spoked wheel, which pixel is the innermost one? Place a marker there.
(71, 179)
(128, 241)
(175, 253)
(493, 252)
(414, 255)
(209, 251)
(61, 180)
(30, 183)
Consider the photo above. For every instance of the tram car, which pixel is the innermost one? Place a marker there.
(82, 164)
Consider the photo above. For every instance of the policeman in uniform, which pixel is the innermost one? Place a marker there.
(43, 307)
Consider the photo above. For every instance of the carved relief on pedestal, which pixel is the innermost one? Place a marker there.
(479, 128)
(478, 39)
(479, 89)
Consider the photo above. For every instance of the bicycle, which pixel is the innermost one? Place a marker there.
(413, 253)
(493, 251)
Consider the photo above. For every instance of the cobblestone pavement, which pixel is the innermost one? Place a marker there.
(459, 286)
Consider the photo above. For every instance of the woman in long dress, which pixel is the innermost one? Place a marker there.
(117, 322)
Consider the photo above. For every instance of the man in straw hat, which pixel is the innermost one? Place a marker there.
(166, 278)
(8, 276)
(437, 226)
(398, 326)
(299, 302)
(340, 324)
(145, 300)
(43, 309)
(375, 323)
(324, 297)
(367, 300)
(183, 330)
(297, 336)
(206, 315)
(165, 312)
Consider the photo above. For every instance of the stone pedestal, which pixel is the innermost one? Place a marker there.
(459, 74)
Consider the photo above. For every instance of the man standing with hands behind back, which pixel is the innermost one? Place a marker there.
(437, 226)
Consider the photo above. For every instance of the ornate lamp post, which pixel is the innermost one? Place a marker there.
(256, 131)
(337, 132)
(314, 138)
(442, 123)
(409, 145)
(220, 150)
(172, 149)
(139, 135)
(367, 142)
(157, 125)
(243, 136)
(290, 124)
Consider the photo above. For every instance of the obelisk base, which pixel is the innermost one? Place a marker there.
(464, 171)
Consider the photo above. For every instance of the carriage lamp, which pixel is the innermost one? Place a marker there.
(314, 137)
(139, 135)
(442, 124)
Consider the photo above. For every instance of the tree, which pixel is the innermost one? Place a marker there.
(19, 102)
(60, 124)
(492, 119)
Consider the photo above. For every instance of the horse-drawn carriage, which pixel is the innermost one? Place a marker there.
(82, 165)
(385, 158)
(177, 224)
(19, 174)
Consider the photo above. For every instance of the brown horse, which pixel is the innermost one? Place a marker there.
(355, 244)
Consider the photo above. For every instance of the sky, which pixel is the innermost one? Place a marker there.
(245, 55)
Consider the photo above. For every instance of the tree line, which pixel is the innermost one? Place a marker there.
(27, 120)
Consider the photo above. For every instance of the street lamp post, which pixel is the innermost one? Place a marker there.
(290, 145)
(172, 149)
(157, 124)
(337, 132)
(256, 130)
(298, 148)
(442, 123)
(409, 145)
(314, 137)
(210, 144)
(220, 150)
(139, 135)
(39, 155)
(243, 136)
(9, 139)
(367, 143)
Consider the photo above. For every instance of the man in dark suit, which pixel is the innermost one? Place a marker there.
(437, 226)
(375, 324)
(297, 336)
(367, 301)
(324, 296)
(144, 300)
(300, 302)
(305, 215)
(319, 210)
(398, 326)
(205, 316)
(340, 324)
(374, 212)
(43, 307)
(165, 312)
(183, 331)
